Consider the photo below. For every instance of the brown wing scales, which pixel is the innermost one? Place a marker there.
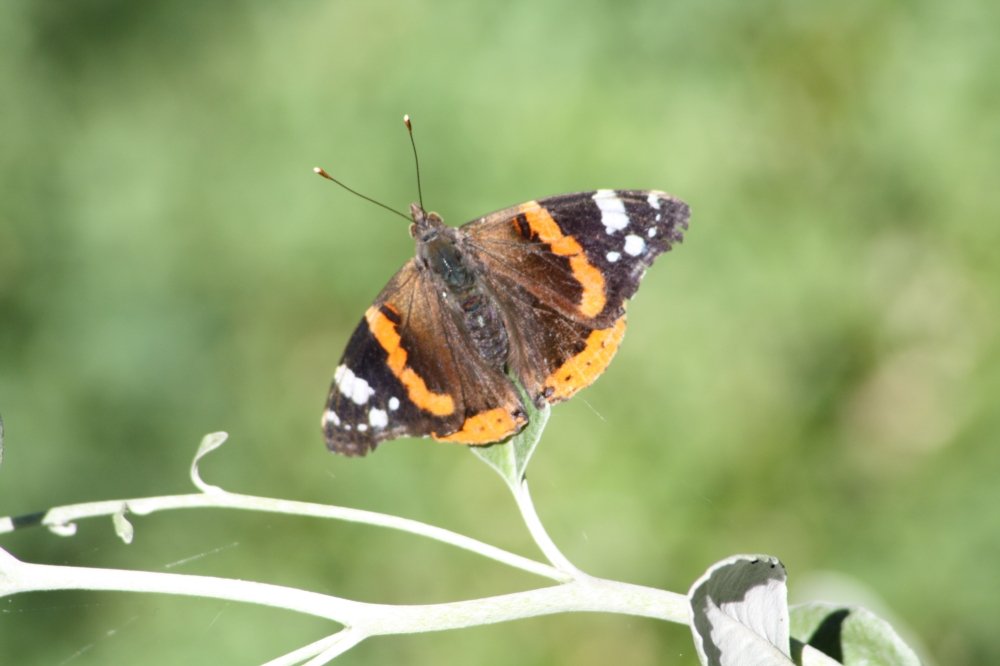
(410, 370)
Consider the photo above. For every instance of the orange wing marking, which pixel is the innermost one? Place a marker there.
(581, 370)
(485, 428)
(593, 299)
(384, 330)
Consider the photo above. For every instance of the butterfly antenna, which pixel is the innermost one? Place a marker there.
(416, 162)
(322, 172)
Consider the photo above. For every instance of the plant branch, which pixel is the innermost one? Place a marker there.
(537, 530)
(322, 651)
(575, 592)
(59, 518)
(367, 619)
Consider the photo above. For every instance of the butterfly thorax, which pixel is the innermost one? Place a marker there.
(461, 292)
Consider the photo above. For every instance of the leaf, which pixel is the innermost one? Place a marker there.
(123, 528)
(851, 635)
(62, 529)
(209, 443)
(510, 459)
(739, 613)
(807, 655)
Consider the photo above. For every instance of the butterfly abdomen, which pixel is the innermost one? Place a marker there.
(485, 327)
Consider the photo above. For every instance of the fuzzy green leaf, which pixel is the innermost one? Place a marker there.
(209, 443)
(850, 635)
(739, 613)
(123, 528)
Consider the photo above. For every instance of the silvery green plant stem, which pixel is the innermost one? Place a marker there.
(363, 619)
(591, 594)
(510, 461)
(538, 532)
(62, 520)
(576, 591)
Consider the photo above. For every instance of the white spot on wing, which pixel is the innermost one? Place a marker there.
(362, 427)
(330, 416)
(634, 245)
(613, 215)
(654, 200)
(352, 386)
(393, 403)
(651, 232)
(378, 418)
(613, 256)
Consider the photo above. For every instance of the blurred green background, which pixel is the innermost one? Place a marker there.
(813, 374)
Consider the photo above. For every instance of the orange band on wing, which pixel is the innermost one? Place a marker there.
(384, 330)
(581, 370)
(592, 300)
(485, 428)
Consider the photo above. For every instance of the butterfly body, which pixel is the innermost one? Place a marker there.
(440, 251)
(536, 292)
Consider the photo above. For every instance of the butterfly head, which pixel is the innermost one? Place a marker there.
(425, 225)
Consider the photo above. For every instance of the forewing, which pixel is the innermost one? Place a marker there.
(581, 254)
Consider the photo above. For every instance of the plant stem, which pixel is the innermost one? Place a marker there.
(534, 524)
(585, 594)
(65, 515)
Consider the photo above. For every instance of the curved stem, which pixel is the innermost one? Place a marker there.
(534, 524)
(62, 516)
(345, 640)
(365, 619)
(321, 651)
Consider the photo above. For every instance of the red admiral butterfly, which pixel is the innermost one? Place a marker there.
(536, 290)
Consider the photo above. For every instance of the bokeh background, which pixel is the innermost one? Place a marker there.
(813, 374)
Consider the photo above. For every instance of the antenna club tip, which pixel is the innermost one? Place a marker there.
(406, 121)
(319, 171)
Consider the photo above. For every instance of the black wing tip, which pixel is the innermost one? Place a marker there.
(676, 214)
(672, 213)
(340, 441)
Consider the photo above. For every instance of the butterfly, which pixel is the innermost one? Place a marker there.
(534, 293)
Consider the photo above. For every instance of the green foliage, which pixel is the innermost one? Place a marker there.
(852, 636)
(740, 615)
(813, 373)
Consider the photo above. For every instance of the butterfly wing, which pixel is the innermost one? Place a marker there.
(410, 370)
(563, 268)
